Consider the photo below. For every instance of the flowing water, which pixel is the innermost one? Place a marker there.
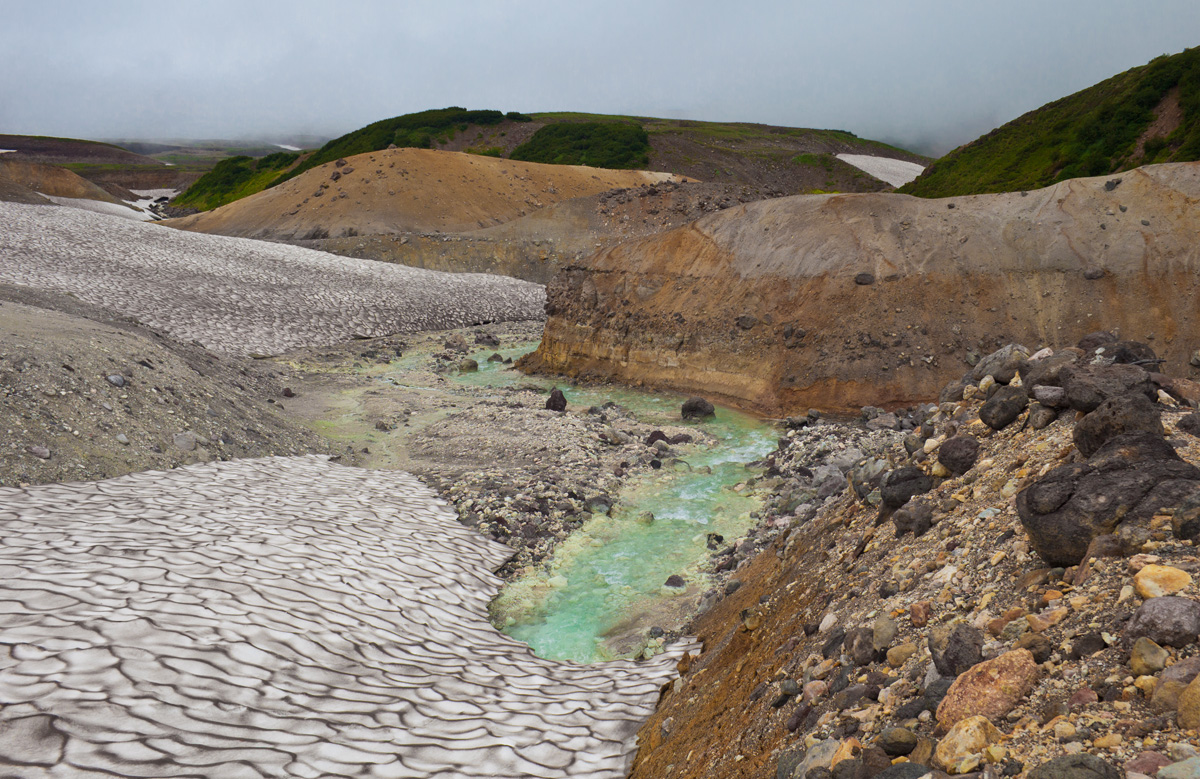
(604, 586)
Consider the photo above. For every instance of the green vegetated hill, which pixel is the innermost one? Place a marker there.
(1145, 115)
(769, 160)
(234, 178)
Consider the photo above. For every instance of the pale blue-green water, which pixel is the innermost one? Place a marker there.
(603, 587)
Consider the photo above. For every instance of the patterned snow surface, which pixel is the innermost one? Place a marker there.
(240, 296)
(895, 172)
(281, 617)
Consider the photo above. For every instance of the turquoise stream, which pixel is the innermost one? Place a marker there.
(603, 587)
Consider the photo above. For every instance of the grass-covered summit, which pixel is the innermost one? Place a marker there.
(1145, 115)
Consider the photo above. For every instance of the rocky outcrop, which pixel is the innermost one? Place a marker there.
(762, 306)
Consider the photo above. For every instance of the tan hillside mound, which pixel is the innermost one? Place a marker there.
(398, 190)
(838, 301)
(52, 180)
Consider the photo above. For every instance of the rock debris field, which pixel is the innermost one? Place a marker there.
(240, 296)
(281, 617)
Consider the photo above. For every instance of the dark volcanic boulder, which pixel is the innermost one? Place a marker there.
(900, 485)
(914, 517)
(1186, 519)
(1132, 413)
(1127, 352)
(697, 408)
(1128, 479)
(557, 400)
(1041, 416)
(955, 647)
(1088, 386)
(1002, 408)
(1190, 424)
(1046, 372)
(1099, 338)
(1081, 766)
(1167, 621)
(959, 453)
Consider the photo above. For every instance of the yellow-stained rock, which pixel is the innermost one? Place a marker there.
(1189, 706)
(968, 738)
(991, 688)
(1154, 581)
(850, 749)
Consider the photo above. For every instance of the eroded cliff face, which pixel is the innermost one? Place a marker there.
(838, 301)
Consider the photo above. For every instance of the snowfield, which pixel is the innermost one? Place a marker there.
(240, 296)
(283, 617)
(893, 171)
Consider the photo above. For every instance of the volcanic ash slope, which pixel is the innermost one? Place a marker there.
(408, 190)
(282, 617)
(839, 301)
(241, 296)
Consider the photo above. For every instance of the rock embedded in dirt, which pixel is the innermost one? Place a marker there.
(1146, 657)
(697, 408)
(1080, 766)
(1129, 478)
(959, 453)
(1154, 581)
(965, 740)
(1003, 408)
(897, 741)
(1131, 413)
(1190, 424)
(1170, 620)
(557, 400)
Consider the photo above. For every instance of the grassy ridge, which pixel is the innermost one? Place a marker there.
(1094, 132)
(234, 178)
(420, 130)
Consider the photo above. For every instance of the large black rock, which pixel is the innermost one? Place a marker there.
(1128, 479)
(1133, 413)
(900, 485)
(697, 408)
(1002, 408)
(1088, 386)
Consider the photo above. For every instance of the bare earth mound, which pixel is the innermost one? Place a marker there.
(52, 181)
(840, 301)
(403, 190)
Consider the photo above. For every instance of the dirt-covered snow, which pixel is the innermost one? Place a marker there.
(241, 296)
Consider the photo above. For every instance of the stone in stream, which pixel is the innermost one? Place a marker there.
(557, 401)
(467, 365)
(697, 408)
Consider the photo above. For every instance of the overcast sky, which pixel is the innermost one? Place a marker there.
(925, 74)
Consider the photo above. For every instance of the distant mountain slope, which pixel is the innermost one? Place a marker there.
(69, 151)
(400, 190)
(775, 160)
(1145, 115)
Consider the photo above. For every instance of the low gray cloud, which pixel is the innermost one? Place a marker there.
(924, 74)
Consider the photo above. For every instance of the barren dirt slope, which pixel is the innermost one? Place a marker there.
(846, 300)
(416, 190)
(52, 180)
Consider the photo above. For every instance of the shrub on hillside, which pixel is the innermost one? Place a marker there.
(599, 144)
